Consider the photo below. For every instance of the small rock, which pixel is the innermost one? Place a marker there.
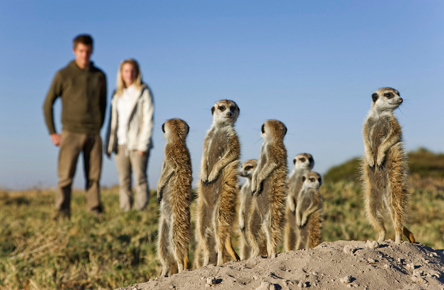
(371, 261)
(172, 287)
(386, 266)
(372, 244)
(411, 266)
(255, 277)
(418, 273)
(266, 286)
(433, 254)
(434, 274)
(418, 280)
(302, 284)
(346, 279)
(348, 249)
(211, 280)
(400, 260)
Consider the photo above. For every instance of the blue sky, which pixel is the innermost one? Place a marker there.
(311, 64)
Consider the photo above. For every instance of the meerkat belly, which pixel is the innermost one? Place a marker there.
(379, 131)
(216, 151)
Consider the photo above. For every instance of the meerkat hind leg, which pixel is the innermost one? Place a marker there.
(230, 250)
(374, 204)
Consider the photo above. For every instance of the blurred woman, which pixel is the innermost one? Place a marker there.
(129, 133)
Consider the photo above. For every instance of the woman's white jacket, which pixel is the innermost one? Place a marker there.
(140, 123)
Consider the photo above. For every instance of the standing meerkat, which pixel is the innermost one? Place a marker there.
(385, 165)
(269, 187)
(216, 204)
(303, 163)
(246, 171)
(174, 197)
(309, 212)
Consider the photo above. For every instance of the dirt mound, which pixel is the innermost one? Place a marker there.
(336, 265)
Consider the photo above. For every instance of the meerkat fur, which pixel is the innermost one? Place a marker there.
(303, 163)
(174, 198)
(309, 212)
(384, 166)
(218, 189)
(245, 203)
(269, 187)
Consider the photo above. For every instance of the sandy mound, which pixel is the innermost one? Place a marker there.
(337, 265)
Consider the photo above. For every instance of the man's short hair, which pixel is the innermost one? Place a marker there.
(85, 39)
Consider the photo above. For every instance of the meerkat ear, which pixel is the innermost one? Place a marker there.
(188, 129)
(294, 161)
(212, 110)
(303, 178)
(163, 127)
(285, 130)
(374, 97)
(263, 128)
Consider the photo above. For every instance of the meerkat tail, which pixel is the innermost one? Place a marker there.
(409, 235)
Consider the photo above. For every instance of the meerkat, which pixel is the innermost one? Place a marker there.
(218, 190)
(303, 163)
(174, 198)
(309, 212)
(269, 187)
(385, 165)
(246, 171)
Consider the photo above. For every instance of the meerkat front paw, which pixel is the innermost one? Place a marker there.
(298, 221)
(304, 221)
(380, 161)
(370, 161)
(212, 177)
(291, 204)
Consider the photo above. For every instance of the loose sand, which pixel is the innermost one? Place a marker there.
(331, 265)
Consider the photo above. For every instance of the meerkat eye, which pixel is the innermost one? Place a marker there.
(248, 167)
(263, 129)
(222, 108)
(388, 95)
(302, 160)
(312, 179)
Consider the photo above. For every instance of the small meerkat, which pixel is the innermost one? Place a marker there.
(174, 197)
(385, 165)
(246, 171)
(303, 163)
(269, 187)
(309, 212)
(218, 189)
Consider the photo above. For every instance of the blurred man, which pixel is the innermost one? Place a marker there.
(82, 88)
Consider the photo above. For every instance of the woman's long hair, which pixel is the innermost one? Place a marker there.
(138, 83)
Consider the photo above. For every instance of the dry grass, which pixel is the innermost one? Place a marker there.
(119, 249)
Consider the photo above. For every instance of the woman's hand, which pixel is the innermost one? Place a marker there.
(141, 153)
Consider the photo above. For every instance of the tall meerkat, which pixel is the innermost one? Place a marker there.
(303, 163)
(269, 187)
(385, 165)
(309, 212)
(246, 171)
(174, 197)
(218, 190)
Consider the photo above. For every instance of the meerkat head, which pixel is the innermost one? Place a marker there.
(225, 112)
(273, 130)
(386, 99)
(248, 168)
(303, 161)
(175, 128)
(312, 180)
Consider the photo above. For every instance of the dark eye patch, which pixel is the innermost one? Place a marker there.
(248, 167)
(163, 127)
(312, 179)
(302, 159)
(263, 128)
(222, 108)
(389, 95)
(310, 160)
